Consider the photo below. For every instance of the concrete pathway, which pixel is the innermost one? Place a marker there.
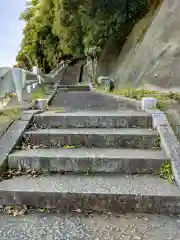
(89, 101)
(77, 226)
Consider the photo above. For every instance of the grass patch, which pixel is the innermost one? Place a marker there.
(68, 147)
(60, 110)
(41, 93)
(13, 113)
(82, 84)
(164, 99)
(56, 109)
(165, 172)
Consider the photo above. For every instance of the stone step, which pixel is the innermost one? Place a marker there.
(94, 137)
(74, 87)
(96, 119)
(89, 160)
(100, 192)
(78, 226)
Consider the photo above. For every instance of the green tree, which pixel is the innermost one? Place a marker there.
(58, 28)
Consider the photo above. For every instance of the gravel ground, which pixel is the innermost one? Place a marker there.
(89, 101)
(77, 226)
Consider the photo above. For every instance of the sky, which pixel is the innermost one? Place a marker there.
(10, 30)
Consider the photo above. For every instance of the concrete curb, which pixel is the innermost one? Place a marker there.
(50, 97)
(169, 141)
(12, 137)
(14, 134)
(171, 145)
(73, 88)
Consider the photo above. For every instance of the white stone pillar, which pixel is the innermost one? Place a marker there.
(35, 70)
(41, 104)
(19, 80)
(148, 103)
(19, 95)
(34, 85)
(29, 89)
(39, 79)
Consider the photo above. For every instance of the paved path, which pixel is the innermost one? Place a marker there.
(90, 101)
(92, 227)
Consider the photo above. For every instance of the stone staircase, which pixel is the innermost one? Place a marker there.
(69, 79)
(92, 161)
(71, 75)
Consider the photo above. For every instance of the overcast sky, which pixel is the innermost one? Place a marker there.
(10, 30)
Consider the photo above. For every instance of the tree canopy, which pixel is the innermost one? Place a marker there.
(58, 28)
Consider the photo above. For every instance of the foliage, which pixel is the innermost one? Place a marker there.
(13, 113)
(58, 28)
(166, 172)
(38, 94)
(163, 98)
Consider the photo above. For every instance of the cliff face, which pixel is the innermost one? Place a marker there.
(155, 59)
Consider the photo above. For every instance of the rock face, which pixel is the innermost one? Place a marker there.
(154, 60)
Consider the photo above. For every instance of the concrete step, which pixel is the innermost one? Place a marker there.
(94, 137)
(87, 226)
(74, 87)
(84, 160)
(96, 119)
(111, 193)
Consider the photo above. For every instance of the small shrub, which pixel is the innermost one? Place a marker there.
(39, 94)
(165, 172)
(162, 105)
(138, 94)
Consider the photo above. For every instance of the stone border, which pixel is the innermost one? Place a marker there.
(12, 137)
(169, 141)
(14, 134)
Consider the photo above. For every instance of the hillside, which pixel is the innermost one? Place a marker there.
(136, 41)
(58, 29)
(154, 59)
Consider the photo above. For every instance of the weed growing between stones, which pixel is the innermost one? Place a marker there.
(60, 110)
(162, 105)
(15, 210)
(165, 172)
(90, 171)
(158, 142)
(56, 109)
(10, 173)
(82, 84)
(42, 92)
(138, 94)
(38, 94)
(22, 210)
(68, 147)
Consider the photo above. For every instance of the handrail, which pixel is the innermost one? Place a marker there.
(15, 80)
